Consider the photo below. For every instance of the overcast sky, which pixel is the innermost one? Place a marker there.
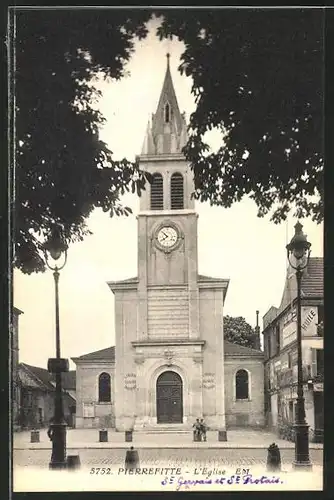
(232, 243)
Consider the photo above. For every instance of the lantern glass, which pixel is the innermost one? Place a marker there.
(55, 253)
(55, 245)
(298, 248)
(298, 253)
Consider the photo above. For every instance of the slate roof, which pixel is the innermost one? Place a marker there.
(41, 374)
(108, 354)
(28, 379)
(312, 284)
(240, 350)
(231, 349)
(48, 380)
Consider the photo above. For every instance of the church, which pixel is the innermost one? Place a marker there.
(170, 363)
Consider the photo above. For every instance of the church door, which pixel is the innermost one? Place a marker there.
(169, 398)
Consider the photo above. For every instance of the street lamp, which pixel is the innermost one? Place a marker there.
(54, 248)
(298, 251)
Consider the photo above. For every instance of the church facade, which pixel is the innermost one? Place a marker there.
(170, 363)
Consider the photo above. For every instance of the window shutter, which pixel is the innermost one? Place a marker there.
(177, 191)
(157, 193)
(314, 362)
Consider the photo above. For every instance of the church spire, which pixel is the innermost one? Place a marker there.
(168, 134)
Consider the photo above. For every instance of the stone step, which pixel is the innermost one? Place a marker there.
(163, 431)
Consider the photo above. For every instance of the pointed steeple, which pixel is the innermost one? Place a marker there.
(168, 134)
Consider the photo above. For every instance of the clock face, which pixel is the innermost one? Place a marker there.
(167, 236)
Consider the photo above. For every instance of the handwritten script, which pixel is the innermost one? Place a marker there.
(249, 479)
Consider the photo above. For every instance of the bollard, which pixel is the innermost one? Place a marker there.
(128, 436)
(103, 436)
(73, 462)
(318, 436)
(132, 458)
(222, 436)
(34, 436)
(274, 458)
(197, 437)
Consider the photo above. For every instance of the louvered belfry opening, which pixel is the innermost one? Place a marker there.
(176, 191)
(157, 193)
(167, 113)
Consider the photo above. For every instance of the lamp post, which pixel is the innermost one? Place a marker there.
(298, 251)
(54, 248)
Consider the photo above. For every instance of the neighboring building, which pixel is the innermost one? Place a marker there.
(95, 389)
(244, 387)
(167, 366)
(37, 396)
(280, 350)
(14, 366)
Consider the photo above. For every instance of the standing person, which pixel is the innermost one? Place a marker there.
(50, 429)
(203, 429)
(197, 430)
(50, 433)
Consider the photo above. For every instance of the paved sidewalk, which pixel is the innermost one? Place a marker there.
(89, 439)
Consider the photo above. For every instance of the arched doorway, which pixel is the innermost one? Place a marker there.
(169, 398)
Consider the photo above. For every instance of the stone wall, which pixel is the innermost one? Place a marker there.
(89, 412)
(211, 331)
(249, 412)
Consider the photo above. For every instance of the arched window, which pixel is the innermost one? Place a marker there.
(104, 388)
(176, 190)
(167, 113)
(157, 193)
(241, 385)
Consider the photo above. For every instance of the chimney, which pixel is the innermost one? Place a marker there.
(257, 343)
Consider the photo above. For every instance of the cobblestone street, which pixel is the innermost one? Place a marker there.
(167, 457)
(89, 438)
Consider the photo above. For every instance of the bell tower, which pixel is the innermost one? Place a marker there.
(167, 225)
(169, 331)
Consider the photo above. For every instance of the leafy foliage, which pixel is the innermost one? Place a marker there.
(238, 331)
(63, 170)
(258, 79)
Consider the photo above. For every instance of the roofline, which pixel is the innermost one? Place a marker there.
(161, 157)
(34, 375)
(292, 303)
(122, 285)
(17, 310)
(79, 360)
(245, 355)
(220, 283)
(165, 213)
(150, 343)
